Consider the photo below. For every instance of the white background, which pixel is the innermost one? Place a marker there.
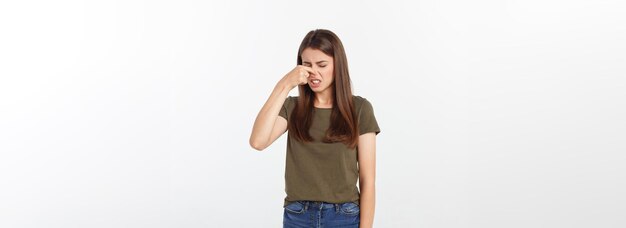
(138, 113)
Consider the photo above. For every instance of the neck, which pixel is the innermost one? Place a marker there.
(324, 98)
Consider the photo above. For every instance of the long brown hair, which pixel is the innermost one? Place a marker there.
(343, 121)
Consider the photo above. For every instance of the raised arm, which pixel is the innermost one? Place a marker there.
(268, 125)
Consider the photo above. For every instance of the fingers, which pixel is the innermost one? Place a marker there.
(306, 72)
(303, 73)
(308, 69)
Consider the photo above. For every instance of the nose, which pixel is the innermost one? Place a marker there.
(316, 69)
(316, 73)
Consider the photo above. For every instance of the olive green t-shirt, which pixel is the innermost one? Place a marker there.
(318, 171)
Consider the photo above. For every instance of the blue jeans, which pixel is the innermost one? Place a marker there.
(314, 214)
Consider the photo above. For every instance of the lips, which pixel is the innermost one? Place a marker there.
(315, 81)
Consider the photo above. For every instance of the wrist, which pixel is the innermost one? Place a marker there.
(283, 84)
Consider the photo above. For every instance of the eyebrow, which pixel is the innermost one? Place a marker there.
(318, 62)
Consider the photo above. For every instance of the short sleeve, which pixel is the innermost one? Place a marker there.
(283, 110)
(367, 119)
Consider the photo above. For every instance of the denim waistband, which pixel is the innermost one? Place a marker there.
(318, 204)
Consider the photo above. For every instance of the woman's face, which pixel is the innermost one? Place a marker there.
(322, 64)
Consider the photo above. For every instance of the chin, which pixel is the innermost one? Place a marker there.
(316, 89)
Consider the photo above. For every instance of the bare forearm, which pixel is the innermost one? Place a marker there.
(367, 205)
(264, 121)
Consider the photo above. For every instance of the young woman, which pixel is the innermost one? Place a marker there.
(331, 140)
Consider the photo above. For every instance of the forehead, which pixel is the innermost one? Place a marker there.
(310, 54)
